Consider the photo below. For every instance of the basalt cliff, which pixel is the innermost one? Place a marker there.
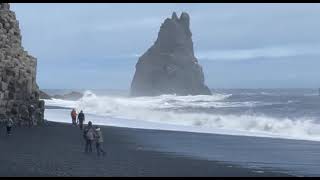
(18, 87)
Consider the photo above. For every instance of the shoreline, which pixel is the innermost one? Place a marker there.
(56, 149)
(183, 129)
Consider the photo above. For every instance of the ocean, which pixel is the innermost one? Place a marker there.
(289, 115)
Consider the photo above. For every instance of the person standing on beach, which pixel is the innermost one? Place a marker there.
(24, 115)
(9, 126)
(38, 116)
(99, 141)
(88, 135)
(31, 115)
(81, 119)
(74, 117)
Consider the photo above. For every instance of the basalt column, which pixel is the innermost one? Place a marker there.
(18, 88)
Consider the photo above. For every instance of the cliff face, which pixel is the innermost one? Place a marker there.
(169, 66)
(18, 87)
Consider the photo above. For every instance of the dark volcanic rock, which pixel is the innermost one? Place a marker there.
(58, 97)
(18, 87)
(70, 96)
(44, 95)
(169, 66)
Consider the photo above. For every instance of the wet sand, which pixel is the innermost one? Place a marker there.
(57, 149)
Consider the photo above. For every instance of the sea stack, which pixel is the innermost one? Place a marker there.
(169, 66)
(18, 87)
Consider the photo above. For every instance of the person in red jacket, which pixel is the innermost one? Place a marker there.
(74, 117)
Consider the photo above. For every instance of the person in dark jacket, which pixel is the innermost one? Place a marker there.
(99, 141)
(9, 126)
(31, 111)
(24, 115)
(81, 119)
(88, 135)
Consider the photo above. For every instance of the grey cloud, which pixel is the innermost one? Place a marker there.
(266, 52)
(61, 33)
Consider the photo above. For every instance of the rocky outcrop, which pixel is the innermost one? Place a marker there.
(18, 87)
(169, 66)
(70, 96)
(44, 95)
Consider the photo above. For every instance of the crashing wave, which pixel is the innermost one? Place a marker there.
(150, 109)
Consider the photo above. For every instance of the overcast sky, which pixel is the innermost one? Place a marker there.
(96, 46)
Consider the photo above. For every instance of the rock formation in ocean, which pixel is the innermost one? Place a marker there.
(169, 66)
(74, 96)
(18, 87)
(44, 95)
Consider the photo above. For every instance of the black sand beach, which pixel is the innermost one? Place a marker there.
(57, 150)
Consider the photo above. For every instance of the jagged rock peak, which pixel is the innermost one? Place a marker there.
(169, 65)
(183, 17)
(182, 23)
(174, 16)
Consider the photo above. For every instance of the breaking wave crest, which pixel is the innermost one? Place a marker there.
(162, 109)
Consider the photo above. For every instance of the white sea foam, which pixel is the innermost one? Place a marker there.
(151, 113)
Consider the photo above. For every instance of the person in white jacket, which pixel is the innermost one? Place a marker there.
(99, 141)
